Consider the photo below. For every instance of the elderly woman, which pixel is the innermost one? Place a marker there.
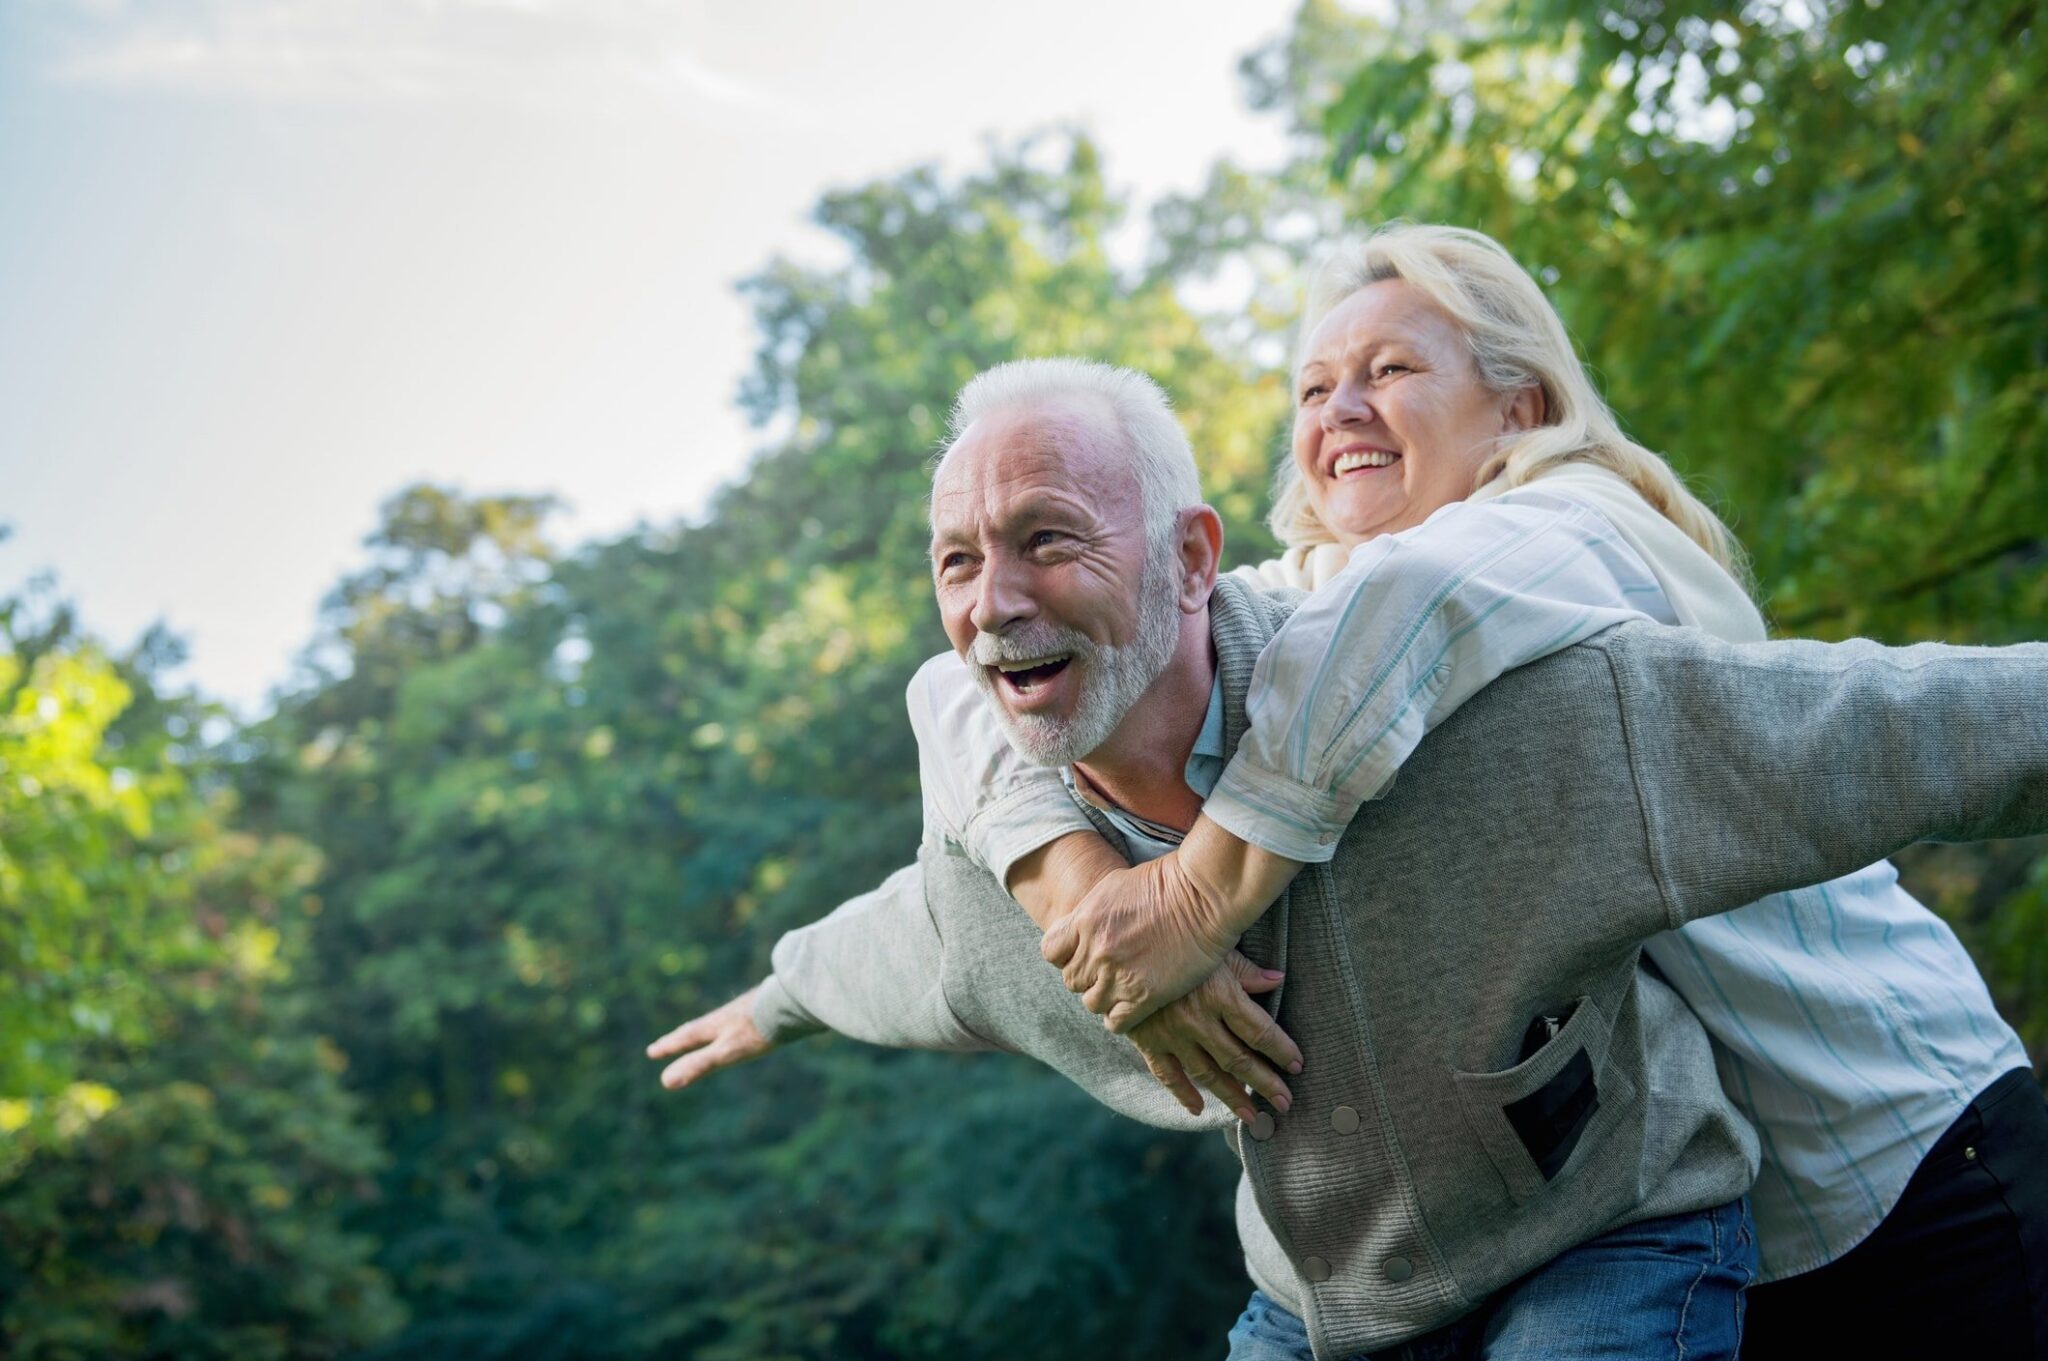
(1460, 501)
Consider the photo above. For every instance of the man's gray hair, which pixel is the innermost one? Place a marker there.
(1140, 409)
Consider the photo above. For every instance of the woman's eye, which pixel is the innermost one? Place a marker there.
(1386, 369)
(1314, 390)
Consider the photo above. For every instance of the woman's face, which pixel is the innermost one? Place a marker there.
(1391, 422)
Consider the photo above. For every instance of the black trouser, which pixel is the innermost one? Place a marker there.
(1958, 1268)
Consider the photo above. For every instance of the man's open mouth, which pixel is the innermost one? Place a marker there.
(1022, 677)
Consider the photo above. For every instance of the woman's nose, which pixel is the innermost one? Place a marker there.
(1348, 405)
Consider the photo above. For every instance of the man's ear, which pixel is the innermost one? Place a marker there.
(1525, 410)
(1201, 550)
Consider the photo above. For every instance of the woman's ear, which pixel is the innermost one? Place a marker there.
(1525, 410)
(1201, 550)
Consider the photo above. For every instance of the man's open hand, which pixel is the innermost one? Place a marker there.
(1141, 938)
(717, 1039)
(1215, 1038)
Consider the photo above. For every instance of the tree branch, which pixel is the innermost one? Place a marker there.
(1919, 585)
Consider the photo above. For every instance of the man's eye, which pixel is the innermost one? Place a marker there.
(951, 561)
(1044, 538)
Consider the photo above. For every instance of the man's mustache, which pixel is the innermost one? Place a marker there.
(1043, 640)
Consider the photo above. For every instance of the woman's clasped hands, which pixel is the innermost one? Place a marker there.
(1148, 934)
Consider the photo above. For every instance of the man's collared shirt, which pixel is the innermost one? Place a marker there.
(1146, 839)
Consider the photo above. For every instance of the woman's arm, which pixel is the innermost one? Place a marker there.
(1020, 822)
(1415, 625)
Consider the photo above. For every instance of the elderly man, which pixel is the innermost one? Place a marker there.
(1491, 1081)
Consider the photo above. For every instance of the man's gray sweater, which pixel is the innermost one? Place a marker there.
(1442, 1141)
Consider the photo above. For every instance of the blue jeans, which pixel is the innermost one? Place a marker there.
(1662, 1288)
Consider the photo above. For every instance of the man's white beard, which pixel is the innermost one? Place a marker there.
(1111, 678)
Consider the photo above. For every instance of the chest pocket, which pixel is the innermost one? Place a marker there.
(1543, 1117)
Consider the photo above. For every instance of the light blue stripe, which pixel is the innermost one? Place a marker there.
(1904, 1007)
(1798, 996)
(1548, 570)
(1323, 667)
(1775, 1162)
(1827, 1126)
(1950, 956)
(1415, 629)
(1552, 645)
(1278, 815)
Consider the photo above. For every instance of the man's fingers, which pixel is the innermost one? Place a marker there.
(724, 1052)
(685, 1036)
(689, 1068)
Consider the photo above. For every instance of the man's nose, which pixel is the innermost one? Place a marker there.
(1002, 597)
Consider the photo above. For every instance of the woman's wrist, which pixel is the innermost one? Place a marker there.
(1234, 880)
(1049, 881)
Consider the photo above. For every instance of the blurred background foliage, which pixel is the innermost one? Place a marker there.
(323, 1035)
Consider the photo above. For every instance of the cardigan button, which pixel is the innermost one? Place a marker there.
(1398, 1269)
(1316, 1269)
(1344, 1120)
(1262, 1126)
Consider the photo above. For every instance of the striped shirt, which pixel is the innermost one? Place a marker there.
(1848, 1022)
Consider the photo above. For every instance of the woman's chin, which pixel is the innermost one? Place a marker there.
(1355, 514)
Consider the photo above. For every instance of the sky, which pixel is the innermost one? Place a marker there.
(264, 262)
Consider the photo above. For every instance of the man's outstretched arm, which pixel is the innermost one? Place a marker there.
(1764, 767)
(870, 970)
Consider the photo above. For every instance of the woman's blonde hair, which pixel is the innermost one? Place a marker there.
(1517, 339)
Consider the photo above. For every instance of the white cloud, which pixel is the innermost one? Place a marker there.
(591, 53)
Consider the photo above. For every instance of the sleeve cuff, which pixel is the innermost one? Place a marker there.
(780, 1017)
(1002, 832)
(1279, 814)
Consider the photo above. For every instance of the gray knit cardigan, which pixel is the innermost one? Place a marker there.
(1574, 808)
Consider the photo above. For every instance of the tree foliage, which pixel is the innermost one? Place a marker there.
(179, 1156)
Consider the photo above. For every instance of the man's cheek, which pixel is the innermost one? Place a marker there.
(1111, 591)
(953, 618)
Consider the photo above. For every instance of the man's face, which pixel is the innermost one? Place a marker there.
(1040, 563)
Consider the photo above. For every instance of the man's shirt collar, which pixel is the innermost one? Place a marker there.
(1148, 839)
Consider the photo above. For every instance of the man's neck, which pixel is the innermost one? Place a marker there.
(1142, 768)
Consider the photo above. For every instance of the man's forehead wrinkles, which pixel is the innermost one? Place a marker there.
(1013, 468)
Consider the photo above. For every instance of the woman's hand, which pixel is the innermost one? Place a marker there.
(717, 1039)
(1143, 937)
(1146, 935)
(1219, 1039)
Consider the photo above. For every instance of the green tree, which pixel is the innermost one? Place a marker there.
(562, 805)
(178, 1156)
(89, 881)
(1804, 248)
